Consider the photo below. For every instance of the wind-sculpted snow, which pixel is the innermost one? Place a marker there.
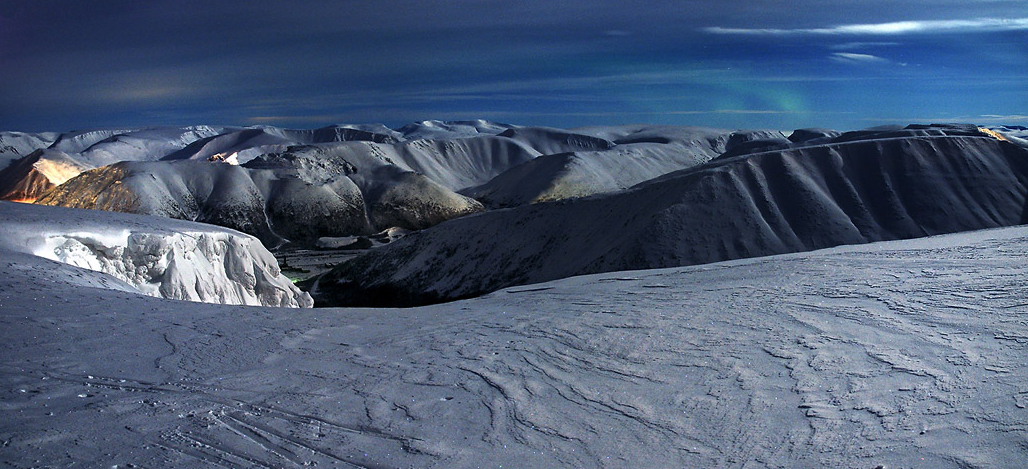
(905, 354)
(857, 189)
(157, 257)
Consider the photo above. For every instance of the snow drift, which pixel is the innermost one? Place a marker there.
(157, 257)
(858, 187)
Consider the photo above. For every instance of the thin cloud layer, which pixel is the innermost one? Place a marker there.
(854, 58)
(892, 28)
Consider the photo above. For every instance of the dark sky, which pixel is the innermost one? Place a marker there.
(75, 64)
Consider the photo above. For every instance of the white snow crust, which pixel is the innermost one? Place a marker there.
(185, 261)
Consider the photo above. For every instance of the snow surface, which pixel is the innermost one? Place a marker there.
(903, 354)
(860, 187)
(157, 257)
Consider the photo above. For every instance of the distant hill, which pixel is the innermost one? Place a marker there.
(296, 186)
(856, 187)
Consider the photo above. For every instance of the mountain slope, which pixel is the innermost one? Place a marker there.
(16, 145)
(861, 187)
(621, 157)
(276, 205)
(29, 177)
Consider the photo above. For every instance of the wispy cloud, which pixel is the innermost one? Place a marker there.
(1005, 118)
(858, 59)
(861, 45)
(893, 28)
(969, 118)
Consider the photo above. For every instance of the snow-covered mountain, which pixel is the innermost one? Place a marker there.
(620, 158)
(152, 256)
(345, 180)
(276, 205)
(857, 187)
(15, 145)
(302, 185)
(242, 145)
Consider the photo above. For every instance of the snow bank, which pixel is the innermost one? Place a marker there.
(185, 261)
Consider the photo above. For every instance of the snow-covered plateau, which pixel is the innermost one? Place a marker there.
(156, 257)
(904, 354)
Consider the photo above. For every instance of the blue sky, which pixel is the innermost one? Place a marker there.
(304, 63)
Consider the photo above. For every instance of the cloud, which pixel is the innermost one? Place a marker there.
(969, 118)
(861, 45)
(1005, 118)
(893, 28)
(853, 58)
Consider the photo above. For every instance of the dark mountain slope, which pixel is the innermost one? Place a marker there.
(879, 185)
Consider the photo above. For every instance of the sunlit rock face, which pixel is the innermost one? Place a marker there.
(156, 257)
(1016, 134)
(29, 177)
